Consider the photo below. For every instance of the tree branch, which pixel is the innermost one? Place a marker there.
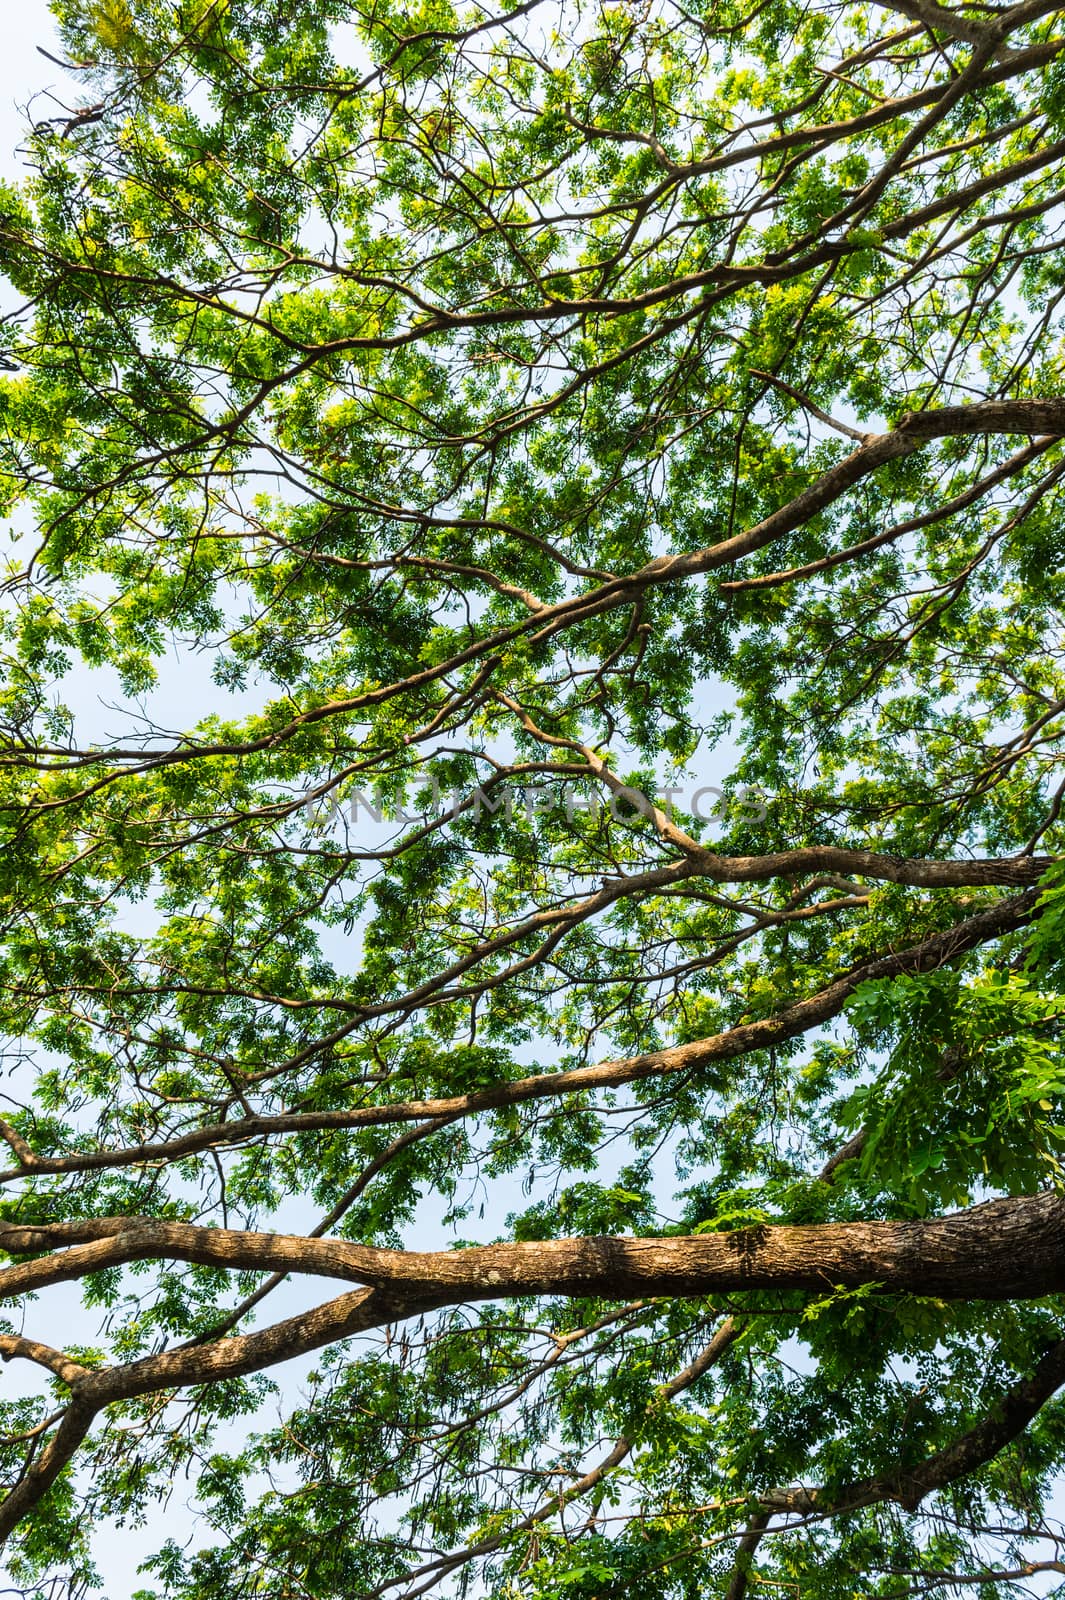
(966, 1454)
(1000, 1250)
(1006, 916)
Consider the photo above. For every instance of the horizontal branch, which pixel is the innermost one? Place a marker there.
(1003, 1249)
(916, 871)
(1006, 1247)
(1006, 916)
(954, 23)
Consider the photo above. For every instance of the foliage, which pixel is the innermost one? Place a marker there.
(469, 425)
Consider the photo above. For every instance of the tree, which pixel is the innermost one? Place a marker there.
(612, 455)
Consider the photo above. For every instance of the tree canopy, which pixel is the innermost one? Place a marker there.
(605, 916)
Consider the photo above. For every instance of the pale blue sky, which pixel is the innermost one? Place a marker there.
(25, 73)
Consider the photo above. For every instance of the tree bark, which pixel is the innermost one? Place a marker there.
(1001, 1250)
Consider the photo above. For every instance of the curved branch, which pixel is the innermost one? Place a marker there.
(1034, 417)
(1006, 916)
(909, 1486)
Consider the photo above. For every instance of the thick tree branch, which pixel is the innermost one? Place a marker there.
(1003, 1249)
(741, 1572)
(954, 23)
(43, 1471)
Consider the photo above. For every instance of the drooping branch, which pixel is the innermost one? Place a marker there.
(43, 1471)
(233, 1357)
(908, 1486)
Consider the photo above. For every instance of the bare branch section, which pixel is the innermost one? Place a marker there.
(955, 24)
(1000, 1250)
